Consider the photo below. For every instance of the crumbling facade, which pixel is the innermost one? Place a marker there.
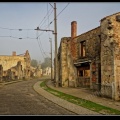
(47, 71)
(92, 59)
(36, 72)
(1, 72)
(15, 66)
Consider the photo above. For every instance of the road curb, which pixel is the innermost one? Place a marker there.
(63, 103)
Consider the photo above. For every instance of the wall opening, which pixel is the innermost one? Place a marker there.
(83, 49)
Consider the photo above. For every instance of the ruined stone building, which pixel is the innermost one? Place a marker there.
(47, 71)
(36, 72)
(15, 66)
(92, 59)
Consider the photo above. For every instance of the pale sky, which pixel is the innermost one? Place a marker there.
(29, 15)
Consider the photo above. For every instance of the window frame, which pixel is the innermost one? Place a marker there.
(81, 49)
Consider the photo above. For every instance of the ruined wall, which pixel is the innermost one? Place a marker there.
(92, 43)
(110, 56)
(92, 49)
(19, 70)
(116, 29)
(69, 54)
(27, 70)
(11, 61)
(16, 66)
(27, 59)
(14, 72)
(38, 71)
(63, 67)
(1, 72)
(66, 69)
(72, 71)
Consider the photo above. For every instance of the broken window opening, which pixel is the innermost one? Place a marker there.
(84, 70)
(83, 49)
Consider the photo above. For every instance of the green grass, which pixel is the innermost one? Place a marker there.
(81, 102)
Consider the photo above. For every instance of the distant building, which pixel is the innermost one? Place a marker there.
(36, 72)
(15, 66)
(47, 71)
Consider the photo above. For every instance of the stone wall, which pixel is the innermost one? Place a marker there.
(11, 61)
(68, 54)
(110, 56)
(15, 72)
(63, 67)
(92, 49)
(66, 68)
(102, 52)
(92, 43)
(72, 71)
(16, 66)
(1, 72)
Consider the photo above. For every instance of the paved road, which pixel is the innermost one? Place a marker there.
(20, 99)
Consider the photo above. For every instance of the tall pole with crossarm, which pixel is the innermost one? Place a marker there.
(55, 34)
(56, 58)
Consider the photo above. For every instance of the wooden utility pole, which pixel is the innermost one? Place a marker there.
(51, 57)
(55, 34)
(56, 58)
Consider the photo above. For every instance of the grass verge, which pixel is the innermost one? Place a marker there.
(81, 102)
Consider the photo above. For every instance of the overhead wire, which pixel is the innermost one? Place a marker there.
(42, 49)
(47, 18)
(53, 19)
(44, 17)
(48, 34)
(14, 29)
(63, 9)
(18, 37)
(41, 21)
(48, 26)
(39, 45)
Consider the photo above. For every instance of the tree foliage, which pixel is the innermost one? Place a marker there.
(34, 63)
(46, 63)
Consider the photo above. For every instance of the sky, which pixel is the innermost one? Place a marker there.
(18, 21)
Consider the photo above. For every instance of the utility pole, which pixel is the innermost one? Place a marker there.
(51, 56)
(55, 33)
(56, 58)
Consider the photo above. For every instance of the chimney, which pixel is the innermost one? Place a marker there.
(73, 29)
(13, 53)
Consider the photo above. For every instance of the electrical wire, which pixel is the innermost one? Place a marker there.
(18, 37)
(42, 48)
(39, 46)
(63, 9)
(59, 13)
(53, 19)
(14, 29)
(47, 18)
(44, 17)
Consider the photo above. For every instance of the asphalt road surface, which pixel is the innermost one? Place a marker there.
(21, 99)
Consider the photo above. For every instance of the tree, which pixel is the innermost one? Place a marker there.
(46, 63)
(34, 63)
